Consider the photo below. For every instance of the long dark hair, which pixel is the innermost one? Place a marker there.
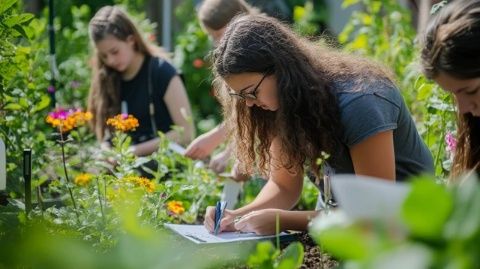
(104, 96)
(307, 122)
(452, 46)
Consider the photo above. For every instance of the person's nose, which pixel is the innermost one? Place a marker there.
(249, 102)
(110, 61)
(465, 104)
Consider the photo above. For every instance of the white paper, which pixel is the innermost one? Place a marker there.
(181, 150)
(363, 197)
(200, 235)
(231, 191)
(176, 148)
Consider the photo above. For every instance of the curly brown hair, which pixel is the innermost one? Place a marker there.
(307, 122)
(451, 45)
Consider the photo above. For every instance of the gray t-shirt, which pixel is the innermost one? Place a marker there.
(377, 107)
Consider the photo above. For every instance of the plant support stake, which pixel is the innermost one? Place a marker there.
(27, 175)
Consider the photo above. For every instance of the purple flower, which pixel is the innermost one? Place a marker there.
(51, 89)
(451, 142)
(61, 113)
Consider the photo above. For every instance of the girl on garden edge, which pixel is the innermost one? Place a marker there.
(130, 77)
(451, 57)
(286, 101)
(214, 15)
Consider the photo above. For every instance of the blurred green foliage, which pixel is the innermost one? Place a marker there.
(267, 256)
(129, 229)
(23, 96)
(440, 229)
(192, 47)
(383, 30)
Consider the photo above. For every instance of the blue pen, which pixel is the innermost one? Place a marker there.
(219, 210)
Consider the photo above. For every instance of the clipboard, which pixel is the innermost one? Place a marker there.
(199, 235)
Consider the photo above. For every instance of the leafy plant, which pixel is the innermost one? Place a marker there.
(307, 18)
(21, 101)
(190, 55)
(43, 244)
(383, 31)
(442, 231)
(267, 256)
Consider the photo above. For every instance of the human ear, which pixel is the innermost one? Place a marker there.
(131, 41)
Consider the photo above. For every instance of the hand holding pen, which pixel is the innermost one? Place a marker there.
(216, 225)
(219, 211)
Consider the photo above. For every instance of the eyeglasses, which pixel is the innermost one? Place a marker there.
(249, 95)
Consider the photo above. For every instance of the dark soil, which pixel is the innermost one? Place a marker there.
(313, 257)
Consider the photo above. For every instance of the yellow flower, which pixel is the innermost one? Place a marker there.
(147, 184)
(83, 179)
(123, 122)
(176, 207)
(141, 182)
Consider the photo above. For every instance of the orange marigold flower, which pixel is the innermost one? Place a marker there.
(176, 207)
(66, 120)
(141, 182)
(123, 122)
(83, 179)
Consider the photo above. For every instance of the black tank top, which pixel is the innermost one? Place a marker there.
(135, 93)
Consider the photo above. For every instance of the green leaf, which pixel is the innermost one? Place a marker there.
(424, 91)
(367, 19)
(345, 243)
(298, 13)
(44, 102)
(13, 106)
(6, 4)
(19, 29)
(347, 3)
(292, 256)
(465, 220)
(427, 208)
(18, 19)
(23, 102)
(376, 6)
(264, 255)
(361, 42)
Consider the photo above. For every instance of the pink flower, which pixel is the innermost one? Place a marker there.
(451, 142)
(60, 114)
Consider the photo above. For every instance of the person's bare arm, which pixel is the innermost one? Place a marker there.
(283, 188)
(204, 145)
(375, 156)
(178, 106)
